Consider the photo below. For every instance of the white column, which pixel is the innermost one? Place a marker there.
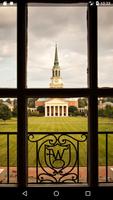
(50, 111)
(54, 111)
(45, 111)
(62, 111)
(58, 111)
(66, 111)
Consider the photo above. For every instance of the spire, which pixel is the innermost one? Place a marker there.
(56, 80)
(56, 63)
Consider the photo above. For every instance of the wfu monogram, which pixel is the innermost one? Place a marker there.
(57, 157)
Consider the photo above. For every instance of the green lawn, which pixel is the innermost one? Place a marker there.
(64, 124)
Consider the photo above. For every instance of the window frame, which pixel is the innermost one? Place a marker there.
(22, 93)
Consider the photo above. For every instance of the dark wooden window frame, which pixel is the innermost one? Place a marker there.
(22, 93)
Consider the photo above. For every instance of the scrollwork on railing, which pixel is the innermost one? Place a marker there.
(57, 156)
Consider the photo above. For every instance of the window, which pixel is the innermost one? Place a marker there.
(105, 134)
(8, 104)
(105, 46)
(23, 94)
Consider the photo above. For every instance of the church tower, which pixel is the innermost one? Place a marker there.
(56, 80)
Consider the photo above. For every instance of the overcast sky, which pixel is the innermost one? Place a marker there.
(66, 26)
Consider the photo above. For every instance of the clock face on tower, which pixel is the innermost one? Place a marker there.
(56, 80)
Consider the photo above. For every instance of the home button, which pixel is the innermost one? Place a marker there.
(56, 193)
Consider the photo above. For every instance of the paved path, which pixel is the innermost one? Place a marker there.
(32, 174)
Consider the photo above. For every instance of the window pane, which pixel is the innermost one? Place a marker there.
(8, 24)
(105, 46)
(105, 139)
(57, 47)
(8, 140)
(8, 115)
(57, 114)
(57, 127)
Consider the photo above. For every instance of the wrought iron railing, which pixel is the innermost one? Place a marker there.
(105, 153)
(55, 157)
(8, 157)
(58, 156)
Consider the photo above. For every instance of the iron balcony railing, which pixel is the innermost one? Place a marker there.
(55, 157)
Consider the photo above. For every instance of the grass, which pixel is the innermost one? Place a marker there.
(64, 124)
(9, 125)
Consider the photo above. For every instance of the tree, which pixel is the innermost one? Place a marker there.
(31, 102)
(101, 112)
(41, 109)
(5, 112)
(8, 101)
(107, 112)
(82, 102)
(1, 101)
(14, 112)
(72, 110)
(108, 99)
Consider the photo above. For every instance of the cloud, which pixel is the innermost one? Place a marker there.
(7, 17)
(66, 26)
(105, 29)
(63, 25)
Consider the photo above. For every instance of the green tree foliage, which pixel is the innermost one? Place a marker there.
(5, 112)
(14, 112)
(82, 102)
(41, 109)
(31, 102)
(107, 112)
(106, 99)
(72, 110)
(32, 113)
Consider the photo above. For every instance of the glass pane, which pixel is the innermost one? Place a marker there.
(57, 128)
(57, 47)
(8, 63)
(57, 114)
(8, 115)
(105, 137)
(105, 46)
(8, 140)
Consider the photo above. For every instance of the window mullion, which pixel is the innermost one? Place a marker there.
(22, 146)
(92, 106)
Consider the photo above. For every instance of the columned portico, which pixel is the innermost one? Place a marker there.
(56, 108)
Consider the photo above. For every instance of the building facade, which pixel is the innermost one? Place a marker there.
(56, 107)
